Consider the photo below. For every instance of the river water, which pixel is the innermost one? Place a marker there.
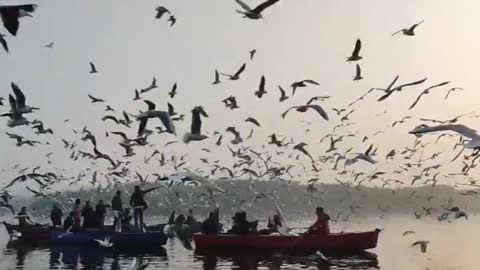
(453, 245)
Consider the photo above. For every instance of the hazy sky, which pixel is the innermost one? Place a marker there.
(298, 39)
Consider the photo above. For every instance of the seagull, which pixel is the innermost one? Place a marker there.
(137, 95)
(461, 129)
(49, 45)
(255, 13)
(422, 244)
(366, 156)
(4, 42)
(108, 108)
(152, 86)
(304, 108)
(283, 96)
(253, 121)
(100, 155)
(161, 10)
(252, 53)
(408, 31)
(105, 242)
(452, 90)
(93, 69)
(152, 113)
(196, 127)
(41, 129)
(301, 147)
(238, 139)
(261, 89)
(20, 105)
(94, 99)
(358, 74)
(21, 140)
(389, 91)
(217, 78)
(302, 83)
(356, 52)
(172, 20)
(407, 233)
(11, 14)
(173, 92)
(425, 92)
(237, 74)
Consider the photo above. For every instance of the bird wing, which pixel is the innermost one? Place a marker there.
(369, 150)
(261, 88)
(399, 31)
(319, 110)
(196, 127)
(264, 6)
(358, 71)
(393, 82)
(311, 82)
(171, 110)
(13, 103)
(18, 93)
(142, 126)
(461, 129)
(411, 84)
(110, 117)
(282, 92)
(151, 105)
(358, 46)
(240, 70)
(243, 5)
(285, 112)
(167, 122)
(412, 28)
(92, 66)
(426, 91)
(121, 134)
(418, 99)
(3, 42)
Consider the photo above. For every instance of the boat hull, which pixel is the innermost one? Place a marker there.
(335, 242)
(32, 232)
(119, 240)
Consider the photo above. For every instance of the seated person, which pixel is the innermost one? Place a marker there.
(320, 226)
(210, 225)
(241, 225)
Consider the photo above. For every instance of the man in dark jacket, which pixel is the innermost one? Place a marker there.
(56, 216)
(100, 212)
(88, 216)
(117, 208)
(137, 201)
(69, 221)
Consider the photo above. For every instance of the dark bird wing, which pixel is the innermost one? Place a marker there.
(10, 15)
(412, 83)
(171, 109)
(20, 97)
(151, 105)
(261, 88)
(319, 110)
(311, 82)
(3, 42)
(110, 117)
(196, 127)
(240, 70)
(264, 6)
(426, 91)
(369, 150)
(285, 112)
(243, 5)
(142, 126)
(358, 71)
(412, 28)
(358, 46)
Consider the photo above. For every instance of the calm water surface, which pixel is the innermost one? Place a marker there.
(454, 245)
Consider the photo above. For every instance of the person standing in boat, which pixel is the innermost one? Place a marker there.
(117, 208)
(88, 216)
(100, 212)
(137, 201)
(77, 213)
(69, 221)
(56, 216)
(23, 218)
(321, 226)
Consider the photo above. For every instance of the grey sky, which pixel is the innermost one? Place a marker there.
(298, 39)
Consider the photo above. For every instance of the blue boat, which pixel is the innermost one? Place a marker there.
(91, 238)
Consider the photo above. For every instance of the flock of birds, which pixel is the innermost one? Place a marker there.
(254, 163)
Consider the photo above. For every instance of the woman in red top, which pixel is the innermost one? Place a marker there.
(320, 226)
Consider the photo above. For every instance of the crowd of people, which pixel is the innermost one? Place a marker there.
(88, 217)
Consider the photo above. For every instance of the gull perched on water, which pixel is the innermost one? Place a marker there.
(107, 243)
(196, 127)
(255, 13)
(408, 31)
(152, 113)
(356, 52)
(422, 244)
(474, 142)
(11, 14)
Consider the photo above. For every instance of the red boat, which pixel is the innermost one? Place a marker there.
(31, 232)
(334, 242)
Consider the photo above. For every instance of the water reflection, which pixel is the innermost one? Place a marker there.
(214, 259)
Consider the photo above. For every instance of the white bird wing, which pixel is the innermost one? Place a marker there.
(243, 5)
(461, 129)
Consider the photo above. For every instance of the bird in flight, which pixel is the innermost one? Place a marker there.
(4, 43)
(255, 13)
(474, 142)
(161, 10)
(358, 73)
(50, 45)
(11, 14)
(356, 52)
(408, 31)
(93, 69)
(422, 244)
(237, 74)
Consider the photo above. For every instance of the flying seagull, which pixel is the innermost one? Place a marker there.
(253, 121)
(238, 139)
(283, 96)
(422, 244)
(49, 45)
(426, 92)
(217, 78)
(358, 73)
(94, 99)
(255, 13)
(252, 53)
(3, 42)
(93, 69)
(237, 74)
(20, 105)
(172, 20)
(451, 90)
(173, 92)
(390, 89)
(196, 127)
(461, 129)
(366, 156)
(408, 31)
(161, 10)
(304, 108)
(356, 52)
(152, 113)
(301, 147)
(261, 88)
(302, 83)
(11, 14)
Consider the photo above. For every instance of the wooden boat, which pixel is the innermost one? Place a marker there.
(334, 242)
(31, 232)
(118, 239)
